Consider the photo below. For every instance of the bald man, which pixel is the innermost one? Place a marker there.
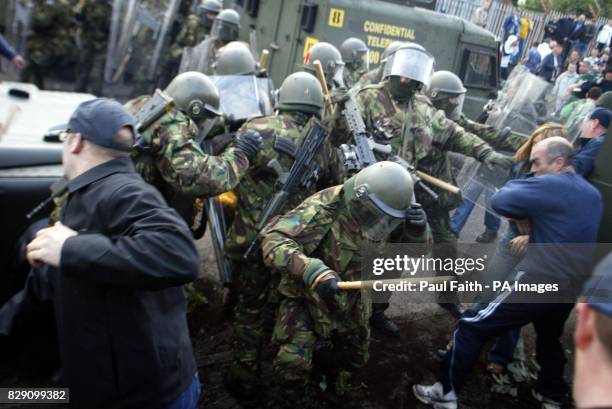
(561, 211)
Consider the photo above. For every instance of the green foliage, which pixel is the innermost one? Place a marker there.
(571, 6)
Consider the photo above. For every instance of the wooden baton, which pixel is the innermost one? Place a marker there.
(321, 77)
(368, 284)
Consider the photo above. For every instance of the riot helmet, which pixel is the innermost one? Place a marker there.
(235, 58)
(331, 60)
(208, 11)
(391, 48)
(195, 94)
(447, 93)
(355, 53)
(301, 92)
(226, 25)
(378, 198)
(408, 70)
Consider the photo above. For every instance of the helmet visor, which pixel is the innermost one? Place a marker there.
(414, 64)
(454, 106)
(224, 31)
(362, 60)
(376, 218)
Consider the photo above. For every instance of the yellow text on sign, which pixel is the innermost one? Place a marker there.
(336, 18)
(308, 43)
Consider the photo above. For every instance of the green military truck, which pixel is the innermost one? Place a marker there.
(288, 28)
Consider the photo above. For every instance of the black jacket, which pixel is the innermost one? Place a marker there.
(119, 304)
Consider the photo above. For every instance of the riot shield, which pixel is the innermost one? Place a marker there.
(17, 23)
(245, 96)
(199, 58)
(138, 35)
(521, 104)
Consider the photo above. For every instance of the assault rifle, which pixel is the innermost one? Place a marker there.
(303, 173)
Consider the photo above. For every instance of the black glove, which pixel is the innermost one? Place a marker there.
(329, 287)
(416, 216)
(249, 142)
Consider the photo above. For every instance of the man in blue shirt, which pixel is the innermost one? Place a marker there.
(593, 134)
(9, 53)
(552, 64)
(533, 58)
(563, 211)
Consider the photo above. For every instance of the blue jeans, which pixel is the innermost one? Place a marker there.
(462, 214)
(190, 396)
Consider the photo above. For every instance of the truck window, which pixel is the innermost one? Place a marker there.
(478, 69)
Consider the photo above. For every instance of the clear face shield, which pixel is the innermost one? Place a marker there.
(453, 106)
(411, 63)
(362, 60)
(224, 31)
(377, 219)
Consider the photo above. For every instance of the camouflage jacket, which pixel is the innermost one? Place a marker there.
(489, 134)
(192, 33)
(319, 230)
(174, 159)
(369, 78)
(351, 76)
(50, 36)
(259, 183)
(95, 24)
(421, 135)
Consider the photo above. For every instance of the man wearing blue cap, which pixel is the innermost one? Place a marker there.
(593, 341)
(593, 133)
(122, 256)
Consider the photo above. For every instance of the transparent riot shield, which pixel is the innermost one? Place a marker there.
(245, 96)
(522, 103)
(199, 58)
(17, 23)
(522, 106)
(138, 35)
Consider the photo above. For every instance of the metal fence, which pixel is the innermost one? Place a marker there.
(500, 10)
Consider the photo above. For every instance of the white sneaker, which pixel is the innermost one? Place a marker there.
(434, 395)
(547, 403)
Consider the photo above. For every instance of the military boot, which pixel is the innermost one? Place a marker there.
(240, 389)
(380, 322)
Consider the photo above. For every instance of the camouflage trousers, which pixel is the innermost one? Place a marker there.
(254, 315)
(90, 69)
(298, 334)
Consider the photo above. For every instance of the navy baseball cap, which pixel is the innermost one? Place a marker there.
(603, 115)
(597, 291)
(98, 121)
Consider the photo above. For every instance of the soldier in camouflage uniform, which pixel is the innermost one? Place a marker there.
(167, 153)
(192, 32)
(300, 103)
(422, 135)
(318, 244)
(375, 75)
(224, 30)
(447, 93)
(49, 41)
(94, 16)
(356, 57)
